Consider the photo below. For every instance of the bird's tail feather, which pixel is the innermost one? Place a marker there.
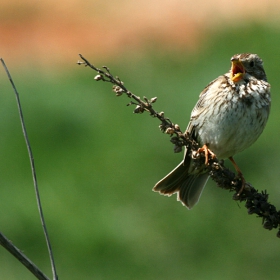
(188, 185)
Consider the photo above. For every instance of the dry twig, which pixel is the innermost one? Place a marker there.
(31, 158)
(8, 245)
(255, 202)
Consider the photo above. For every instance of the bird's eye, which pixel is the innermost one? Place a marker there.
(252, 64)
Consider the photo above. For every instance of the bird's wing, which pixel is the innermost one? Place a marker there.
(205, 99)
(203, 103)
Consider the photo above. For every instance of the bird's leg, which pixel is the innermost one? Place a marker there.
(206, 152)
(239, 174)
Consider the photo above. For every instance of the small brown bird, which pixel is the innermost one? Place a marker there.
(229, 116)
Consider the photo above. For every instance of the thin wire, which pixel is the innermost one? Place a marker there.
(55, 277)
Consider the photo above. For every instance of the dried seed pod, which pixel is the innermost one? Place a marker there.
(138, 110)
(98, 77)
(177, 149)
(169, 130)
(153, 100)
(177, 127)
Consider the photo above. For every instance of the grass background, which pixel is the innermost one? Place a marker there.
(97, 163)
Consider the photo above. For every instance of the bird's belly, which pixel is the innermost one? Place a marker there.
(232, 130)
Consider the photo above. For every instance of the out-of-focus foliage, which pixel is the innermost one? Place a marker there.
(97, 163)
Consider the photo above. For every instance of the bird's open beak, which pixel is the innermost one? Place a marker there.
(237, 70)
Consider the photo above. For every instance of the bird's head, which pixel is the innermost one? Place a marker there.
(246, 64)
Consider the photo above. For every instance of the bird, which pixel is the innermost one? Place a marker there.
(230, 115)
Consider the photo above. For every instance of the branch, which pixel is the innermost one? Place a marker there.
(31, 158)
(7, 244)
(255, 202)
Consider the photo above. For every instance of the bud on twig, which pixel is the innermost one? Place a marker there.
(98, 77)
(170, 130)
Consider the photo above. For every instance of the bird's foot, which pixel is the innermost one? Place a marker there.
(240, 175)
(207, 152)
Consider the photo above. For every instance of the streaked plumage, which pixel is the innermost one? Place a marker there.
(229, 116)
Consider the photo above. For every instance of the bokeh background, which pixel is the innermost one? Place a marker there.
(97, 161)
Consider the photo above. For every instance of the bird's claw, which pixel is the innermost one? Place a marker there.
(207, 152)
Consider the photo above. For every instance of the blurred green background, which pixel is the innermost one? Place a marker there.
(97, 163)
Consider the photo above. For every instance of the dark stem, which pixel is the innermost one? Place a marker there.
(7, 244)
(55, 277)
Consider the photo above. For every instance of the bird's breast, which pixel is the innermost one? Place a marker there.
(235, 118)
